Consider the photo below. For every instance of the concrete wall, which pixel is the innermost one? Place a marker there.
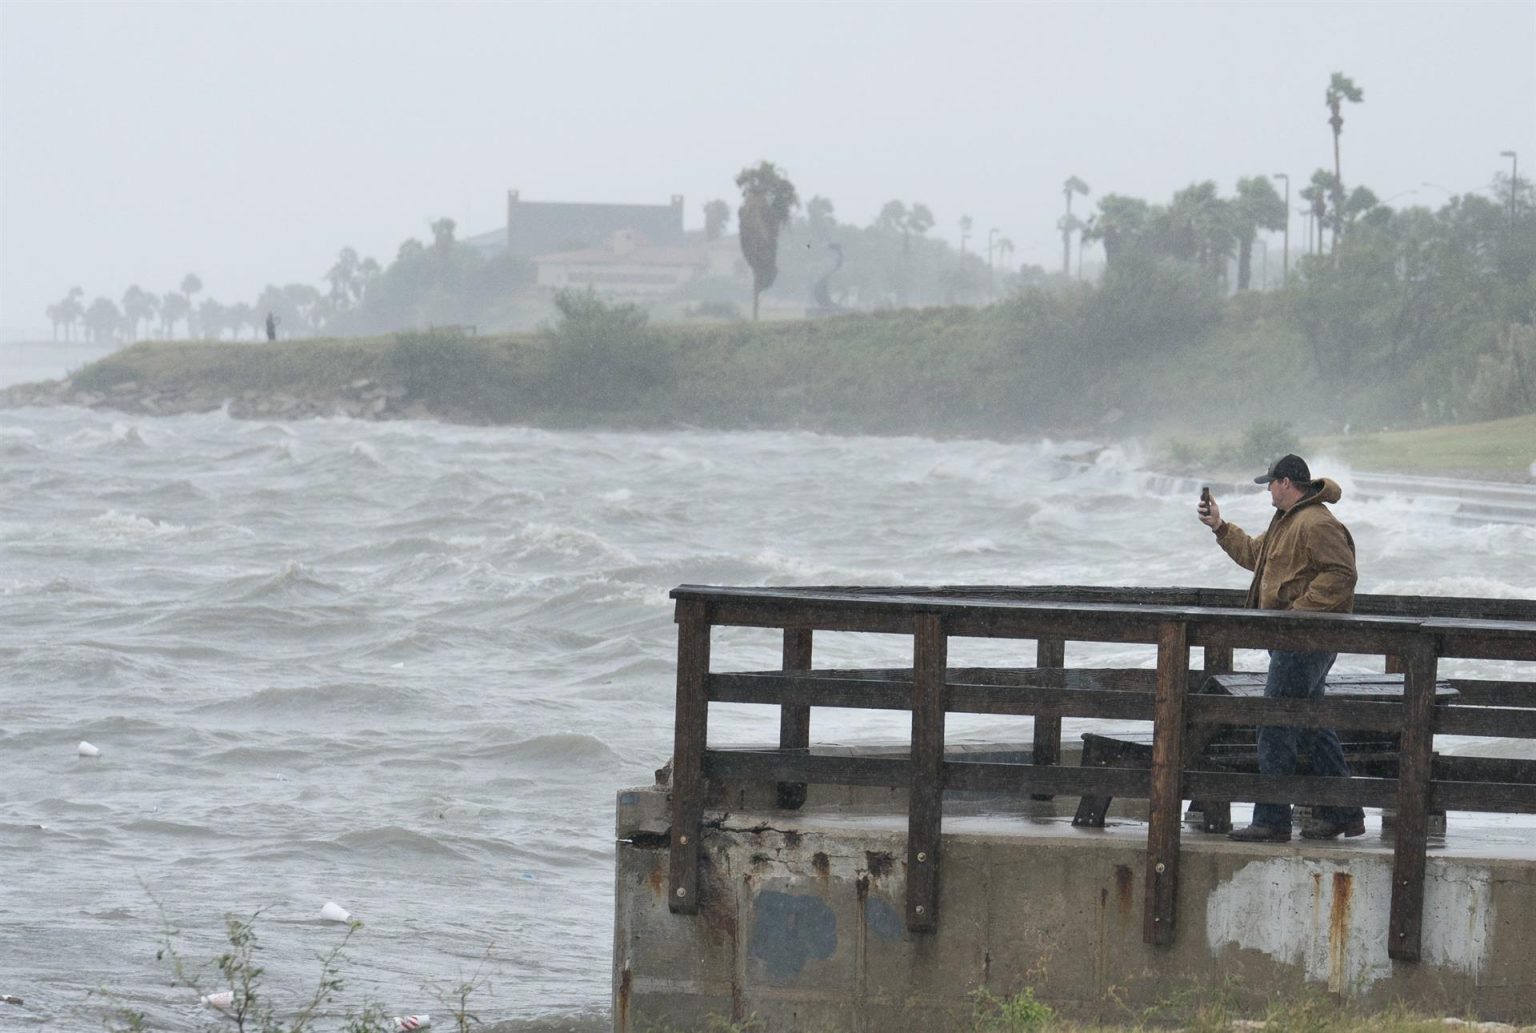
(801, 922)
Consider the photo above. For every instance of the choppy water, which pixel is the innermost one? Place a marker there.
(405, 666)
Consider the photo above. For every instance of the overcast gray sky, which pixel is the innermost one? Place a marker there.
(249, 142)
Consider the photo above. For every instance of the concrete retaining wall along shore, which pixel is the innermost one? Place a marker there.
(801, 921)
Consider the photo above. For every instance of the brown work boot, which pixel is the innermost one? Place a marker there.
(1321, 829)
(1260, 834)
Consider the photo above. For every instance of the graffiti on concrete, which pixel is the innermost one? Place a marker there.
(788, 930)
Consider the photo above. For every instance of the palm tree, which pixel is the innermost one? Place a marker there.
(819, 216)
(138, 307)
(1316, 193)
(190, 285)
(716, 214)
(1121, 222)
(1340, 89)
(71, 309)
(103, 320)
(1005, 251)
(212, 317)
(767, 199)
(1067, 224)
(1258, 206)
(343, 279)
(1199, 229)
(172, 307)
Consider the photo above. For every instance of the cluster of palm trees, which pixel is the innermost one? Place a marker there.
(1202, 228)
(141, 313)
(104, 319)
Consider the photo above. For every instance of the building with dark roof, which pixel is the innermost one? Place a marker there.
(546, 227)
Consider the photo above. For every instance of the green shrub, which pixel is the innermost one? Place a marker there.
(602, 357)
(993, 1014)
(1264, 442)
(103, 375)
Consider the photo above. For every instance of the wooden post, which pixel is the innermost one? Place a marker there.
(1049, 653)
(1215, 815)
(1393, 664)
(1412, 829)
(690, 735)
(795, 718)
(930, 649)
(1162, 880)
(1217, 660)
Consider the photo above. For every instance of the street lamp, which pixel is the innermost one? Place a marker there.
(1285, 279)
(1514, 179)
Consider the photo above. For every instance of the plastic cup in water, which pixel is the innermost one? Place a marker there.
(334, 912)
(85, 749)
(222, 999)
(405, 1023)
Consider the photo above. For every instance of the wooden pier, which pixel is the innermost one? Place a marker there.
(1411, 633)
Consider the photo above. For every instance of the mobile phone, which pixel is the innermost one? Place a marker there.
(1205, 498)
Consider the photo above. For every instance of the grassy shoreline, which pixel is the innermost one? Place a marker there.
(897, 374)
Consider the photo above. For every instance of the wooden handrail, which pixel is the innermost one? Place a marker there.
(1412, 632)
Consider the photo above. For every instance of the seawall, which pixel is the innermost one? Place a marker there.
(801, 918)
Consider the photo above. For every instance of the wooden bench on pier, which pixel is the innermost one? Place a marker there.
(1235, 747)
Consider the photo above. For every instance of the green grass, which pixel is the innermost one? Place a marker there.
(1304, 1012)
(1502, 449)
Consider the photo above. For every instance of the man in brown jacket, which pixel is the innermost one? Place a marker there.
(1304, 560)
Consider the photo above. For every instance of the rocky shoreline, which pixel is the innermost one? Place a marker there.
(361, 399)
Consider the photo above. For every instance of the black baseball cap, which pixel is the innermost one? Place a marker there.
(1289, 466)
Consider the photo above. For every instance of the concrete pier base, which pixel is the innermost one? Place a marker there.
(800, 920)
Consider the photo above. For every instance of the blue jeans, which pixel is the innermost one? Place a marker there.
(1299, 675)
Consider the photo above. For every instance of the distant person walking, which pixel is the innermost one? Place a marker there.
(1304, 560)
(272, 322)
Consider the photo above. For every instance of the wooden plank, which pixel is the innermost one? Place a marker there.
(925, 804)
(991, 699)
(794, 718)
(1311, 789)
(805, 690)
(860, 693)
(1050, 653)
(1414, 754)
(1355, 715)
(763, 764)
(1366, 604)
(741, 764)
(982, 776)
(1497, 797)
(1493, 692)
(691, 729)
(1164, 820)
(1497, 722)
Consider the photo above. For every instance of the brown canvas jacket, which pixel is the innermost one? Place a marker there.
(1304, 560)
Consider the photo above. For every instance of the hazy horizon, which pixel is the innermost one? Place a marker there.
(248, 143)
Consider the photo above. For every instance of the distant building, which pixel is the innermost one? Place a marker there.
(546, 227)
(627, 265)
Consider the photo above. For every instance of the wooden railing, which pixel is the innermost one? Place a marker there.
(1413, 633)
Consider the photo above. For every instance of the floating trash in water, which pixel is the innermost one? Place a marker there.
(334, 912)
(528, 876)
(404, 1023)
(85, 749)
(221, 1000)
(13, 999)
(399, 666)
